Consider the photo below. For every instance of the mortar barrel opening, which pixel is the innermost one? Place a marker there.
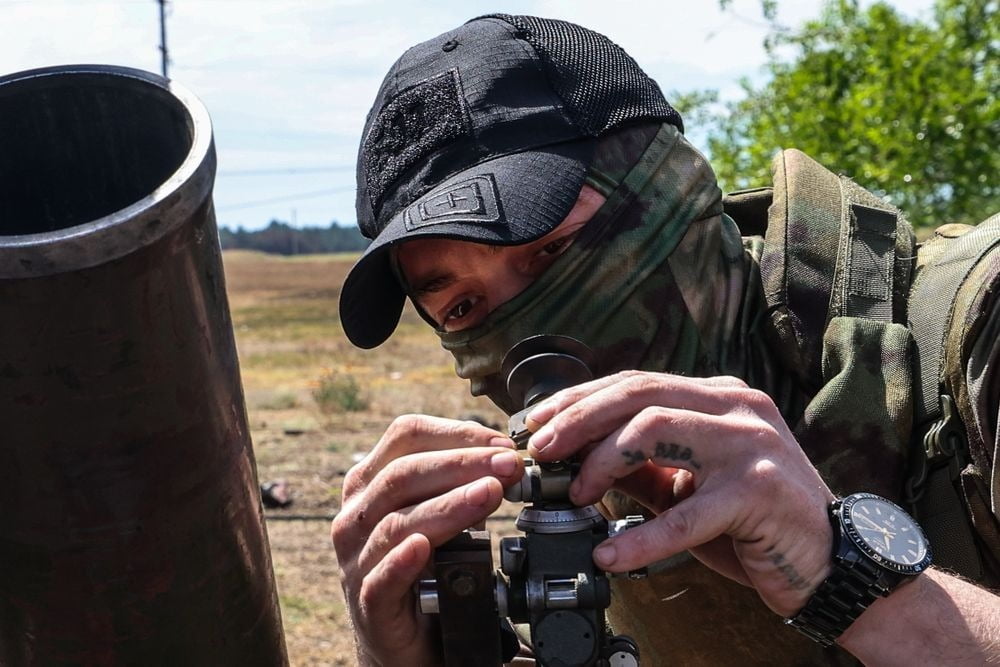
(77, 147)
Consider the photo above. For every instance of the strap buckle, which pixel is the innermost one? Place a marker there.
(944, 443)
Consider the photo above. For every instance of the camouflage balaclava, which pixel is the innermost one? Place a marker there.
(655, 281)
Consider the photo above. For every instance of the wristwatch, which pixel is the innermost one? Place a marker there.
(876, 547)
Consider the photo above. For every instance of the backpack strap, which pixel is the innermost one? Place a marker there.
(934, 488)
(832, 249)
(748, 208)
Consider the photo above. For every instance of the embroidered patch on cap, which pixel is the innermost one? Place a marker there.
(412, 125)
(472, 200)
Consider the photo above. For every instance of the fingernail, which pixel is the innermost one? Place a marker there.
(500, 441)
(504, 464)
(540, 440)
(605, 555)
(541, 414)
(478, 492)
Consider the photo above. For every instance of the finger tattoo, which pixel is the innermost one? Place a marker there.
(633, 457)
(673, 452)
(668, 453)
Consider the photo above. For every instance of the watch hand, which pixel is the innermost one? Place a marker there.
(870, 522)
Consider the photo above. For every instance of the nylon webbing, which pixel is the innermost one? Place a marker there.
(872, 247)
(931, 304)
(942, 515)
(940, 508)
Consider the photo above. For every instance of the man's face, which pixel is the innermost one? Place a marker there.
(458, 283)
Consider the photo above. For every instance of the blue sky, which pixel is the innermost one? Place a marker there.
(288, 83)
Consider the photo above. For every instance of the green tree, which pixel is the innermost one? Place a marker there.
(908, 109)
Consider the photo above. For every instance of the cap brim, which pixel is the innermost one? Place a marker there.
(508, 200)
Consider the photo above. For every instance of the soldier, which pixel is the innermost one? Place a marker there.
(522, 176)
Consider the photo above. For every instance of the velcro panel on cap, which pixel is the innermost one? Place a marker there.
(413, 124)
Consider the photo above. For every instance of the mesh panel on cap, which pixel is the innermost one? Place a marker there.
(601, 85)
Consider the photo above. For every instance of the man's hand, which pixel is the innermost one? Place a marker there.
(425, 481)
(717, 464)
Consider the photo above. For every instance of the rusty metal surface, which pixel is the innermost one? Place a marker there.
(131, 531)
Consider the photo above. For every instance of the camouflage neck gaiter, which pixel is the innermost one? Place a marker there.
(655, 281)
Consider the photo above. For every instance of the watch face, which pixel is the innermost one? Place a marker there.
(886, 533)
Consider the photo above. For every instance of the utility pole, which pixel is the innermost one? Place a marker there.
(163, 37)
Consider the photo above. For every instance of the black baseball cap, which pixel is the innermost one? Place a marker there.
(483, 134)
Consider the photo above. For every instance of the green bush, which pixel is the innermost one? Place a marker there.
(336, 392)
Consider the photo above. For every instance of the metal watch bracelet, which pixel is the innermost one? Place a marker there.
(839, 600)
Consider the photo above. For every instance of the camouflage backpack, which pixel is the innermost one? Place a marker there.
(880, 330)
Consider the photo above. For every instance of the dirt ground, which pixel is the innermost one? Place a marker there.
(297, 368)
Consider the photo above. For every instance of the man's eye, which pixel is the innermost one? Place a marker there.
(554, 247)
(460, 310)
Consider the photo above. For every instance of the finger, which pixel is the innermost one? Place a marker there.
(386, 591)
(384, 609)
(656, 488)
(439, 518)
(414, 478)
(666, 436)
(693, 522)
(720, 555)
(594, 416)
(551, 406)
(420, 433)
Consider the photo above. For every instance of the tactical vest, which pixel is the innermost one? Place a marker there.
(876, 331)
(871, 323)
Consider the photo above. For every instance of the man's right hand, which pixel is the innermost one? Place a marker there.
(425, 481)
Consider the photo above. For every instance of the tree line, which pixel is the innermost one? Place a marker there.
(280, 238)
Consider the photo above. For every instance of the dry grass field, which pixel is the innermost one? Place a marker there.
(316, 404)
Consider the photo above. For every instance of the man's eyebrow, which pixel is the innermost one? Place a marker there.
(435, 284)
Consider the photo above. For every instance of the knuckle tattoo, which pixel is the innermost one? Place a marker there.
(633, 457)
(672, 453)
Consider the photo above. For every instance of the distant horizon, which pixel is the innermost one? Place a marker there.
(304, 225)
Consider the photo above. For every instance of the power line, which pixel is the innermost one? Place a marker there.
(266, 171)
(275, 200)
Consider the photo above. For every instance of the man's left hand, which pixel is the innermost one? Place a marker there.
(714, 460)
